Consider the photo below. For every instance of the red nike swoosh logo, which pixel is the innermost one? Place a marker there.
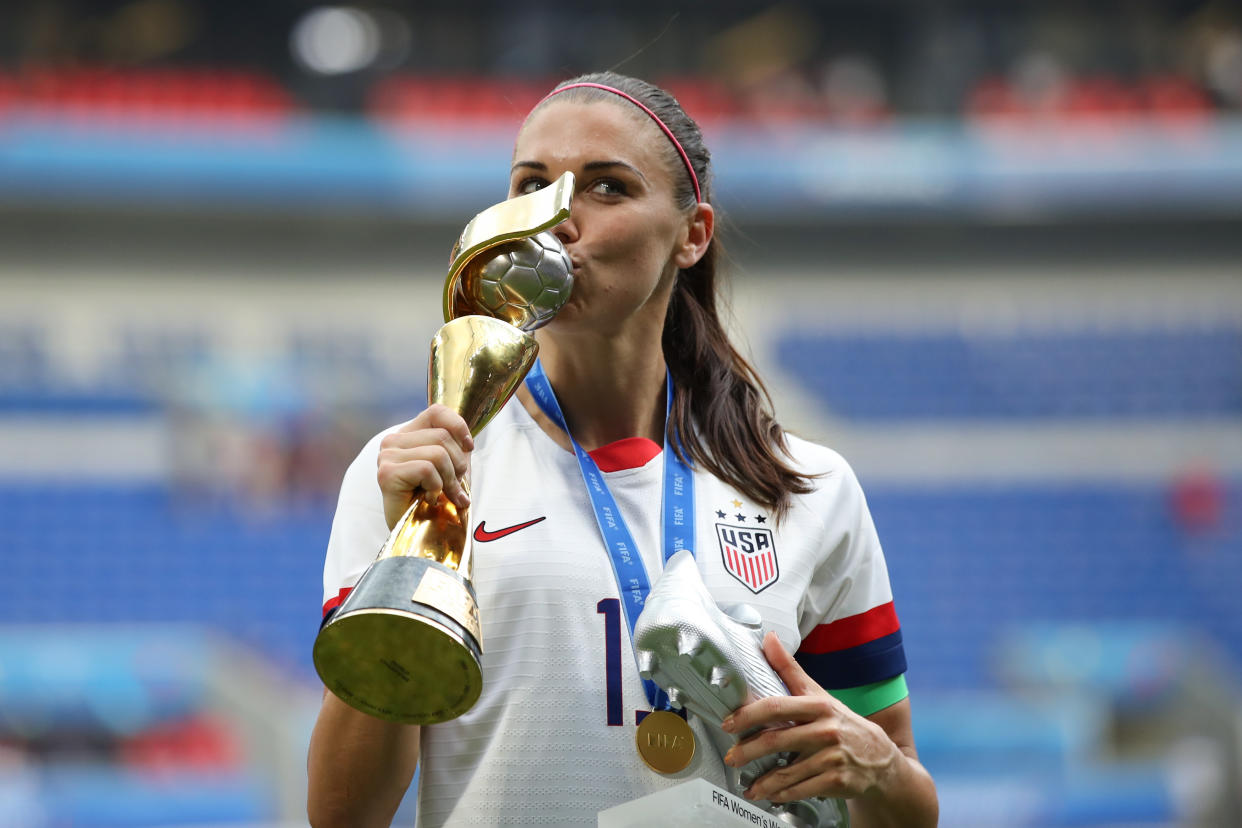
(482, 535)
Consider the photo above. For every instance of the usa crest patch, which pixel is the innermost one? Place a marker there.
(748, 554)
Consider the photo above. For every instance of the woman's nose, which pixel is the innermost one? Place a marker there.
(566, 231)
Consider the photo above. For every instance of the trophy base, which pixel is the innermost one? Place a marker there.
(404, 646)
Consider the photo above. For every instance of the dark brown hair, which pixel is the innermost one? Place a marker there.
(722, 413)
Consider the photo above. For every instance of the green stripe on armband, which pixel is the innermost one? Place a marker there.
(871, 698)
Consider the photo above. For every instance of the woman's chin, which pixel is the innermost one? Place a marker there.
(568, 316)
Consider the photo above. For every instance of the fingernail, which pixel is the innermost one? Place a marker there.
(462, 500)
(729, 756)
(727, 724)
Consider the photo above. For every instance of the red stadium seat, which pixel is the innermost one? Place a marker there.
(8, 92)
(410, 99)
(994, 96)
(1098, 97)
(1175, 97)
(203, 742)
(706, 100)
(164, 95)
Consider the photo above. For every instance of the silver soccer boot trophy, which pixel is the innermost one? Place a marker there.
(710, 661)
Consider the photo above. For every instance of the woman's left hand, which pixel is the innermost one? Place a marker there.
(840, 754)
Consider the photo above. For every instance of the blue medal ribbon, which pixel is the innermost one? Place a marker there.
(677, 523)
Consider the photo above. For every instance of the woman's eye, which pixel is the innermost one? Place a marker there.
(529, 185)
(608, 186)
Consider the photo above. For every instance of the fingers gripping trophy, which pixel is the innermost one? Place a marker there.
(406, 644)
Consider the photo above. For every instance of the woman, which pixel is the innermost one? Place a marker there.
(551, 740)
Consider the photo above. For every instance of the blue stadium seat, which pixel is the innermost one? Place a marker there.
(990, 734)
(116, 680)
(108, 797)
(1157, 373)
(969, 564)
(143, 554)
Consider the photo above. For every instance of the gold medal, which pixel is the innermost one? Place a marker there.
(665, 742)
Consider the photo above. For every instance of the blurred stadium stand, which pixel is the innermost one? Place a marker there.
(998, 265)
(895, 375)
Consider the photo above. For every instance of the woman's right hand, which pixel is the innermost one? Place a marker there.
(428, 455)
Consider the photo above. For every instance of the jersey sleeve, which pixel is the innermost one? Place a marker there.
(358, 529)
(851, 637)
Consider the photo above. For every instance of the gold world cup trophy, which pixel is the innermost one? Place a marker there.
(406, 645)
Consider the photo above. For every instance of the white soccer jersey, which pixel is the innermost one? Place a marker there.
(538, 748)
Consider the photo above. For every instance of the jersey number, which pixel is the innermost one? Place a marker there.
(610, 608)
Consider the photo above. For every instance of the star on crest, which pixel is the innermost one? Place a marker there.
(720, 514)
(760, 519)
(737, 504)
(741, 518)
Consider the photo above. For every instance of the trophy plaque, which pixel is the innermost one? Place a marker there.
(406, 643)
(695, 803)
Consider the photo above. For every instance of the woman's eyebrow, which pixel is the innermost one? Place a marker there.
(588, 166)
(534, 165)
(601, 165)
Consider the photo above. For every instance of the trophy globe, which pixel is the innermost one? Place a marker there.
(523, 282)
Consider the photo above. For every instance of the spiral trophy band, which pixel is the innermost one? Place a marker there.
(406, 643)
(517, 218)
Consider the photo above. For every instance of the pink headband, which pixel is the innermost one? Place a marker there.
(694, 179)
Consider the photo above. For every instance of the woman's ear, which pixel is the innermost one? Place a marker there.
(699, 235)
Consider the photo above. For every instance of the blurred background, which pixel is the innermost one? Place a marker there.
(990, 251)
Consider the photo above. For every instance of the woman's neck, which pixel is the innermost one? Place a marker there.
(607, 389)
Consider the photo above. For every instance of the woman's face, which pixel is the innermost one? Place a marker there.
(626, 236)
